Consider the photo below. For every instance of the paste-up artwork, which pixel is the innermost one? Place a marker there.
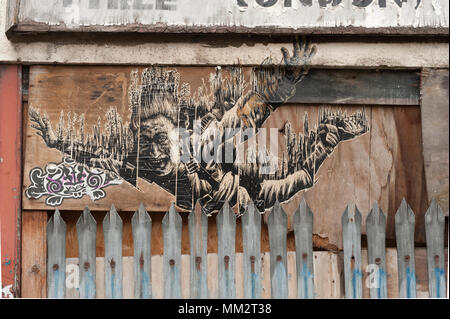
(189, 144)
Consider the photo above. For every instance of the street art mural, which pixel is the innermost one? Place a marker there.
(189, 144)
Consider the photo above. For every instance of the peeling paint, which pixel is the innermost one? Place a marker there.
(6, 292)
(238, 13)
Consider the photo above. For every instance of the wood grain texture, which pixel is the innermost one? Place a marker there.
(142, 239)
(386, 163)
(434, 226)
(404, 227)
(11, 175)
(277, 223)
(376, 244)
(365, 87)
(435, 118)
(34, 254)
(226, 232)
(198, 242)
(171, 225)
(56, 256)
(351, 234)
(303, 226)
(86, 228)
(251, 242)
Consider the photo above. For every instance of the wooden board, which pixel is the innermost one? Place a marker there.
(386, 162)
(10, 172)
(34, 255)
(435, 119)
(243, 16)
(369, 87)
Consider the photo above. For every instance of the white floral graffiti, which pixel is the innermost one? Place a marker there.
(69, 179)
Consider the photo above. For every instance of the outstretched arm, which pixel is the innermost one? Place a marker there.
(73, 149)
(272, 86)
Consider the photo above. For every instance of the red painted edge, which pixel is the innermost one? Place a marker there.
(10, 176)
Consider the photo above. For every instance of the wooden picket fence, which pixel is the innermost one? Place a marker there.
(251, 263)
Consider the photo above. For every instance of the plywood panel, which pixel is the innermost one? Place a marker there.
(385, 163)
(34, 254)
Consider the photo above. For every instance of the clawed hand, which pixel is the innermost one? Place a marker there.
(301, 59)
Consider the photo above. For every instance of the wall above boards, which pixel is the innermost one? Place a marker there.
(378, 17)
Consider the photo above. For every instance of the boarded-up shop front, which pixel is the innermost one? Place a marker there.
(155, 179)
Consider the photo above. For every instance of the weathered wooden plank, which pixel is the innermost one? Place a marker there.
(404, 229)
(328, 273)
(434, 109)
(87, 233)
(303, 226)
(11, 178)
(277, 223)
(373, 87)
(434, 227)
(56, 256)
(112, 232)
(351, 236)
(226, 234)
(198, 239)
(376, 242)
(172, 225)
(251, 243)
(34, 254)
(142, 239)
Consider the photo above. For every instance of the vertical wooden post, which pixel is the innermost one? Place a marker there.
(34, 254)
(278, 223)
(87, 233)
(226, 235)
(142, 239)
(172, 225)
(56, 260)
(11, 178)
(303, 227)
(434, 228)
(198, 242)
(404, 231)
(376, 241)
(351, 236)
(112, 231)
(251, 242)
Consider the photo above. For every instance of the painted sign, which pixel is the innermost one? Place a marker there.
(259, 16)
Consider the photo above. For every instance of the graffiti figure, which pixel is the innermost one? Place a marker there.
(146, 146)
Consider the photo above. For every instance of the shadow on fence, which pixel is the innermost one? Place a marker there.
(252, 262)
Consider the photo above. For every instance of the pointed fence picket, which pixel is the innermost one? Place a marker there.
(277, 223)
(56, 259)
(226, 234)
(376, 242)
(172, 225)
(112, 230)
(251, 242)
(142, 239)
(303, 227)
(87, 233)
(198, 237)
(251, 263)
(404, 231)
(434, 228)
(351, 236)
